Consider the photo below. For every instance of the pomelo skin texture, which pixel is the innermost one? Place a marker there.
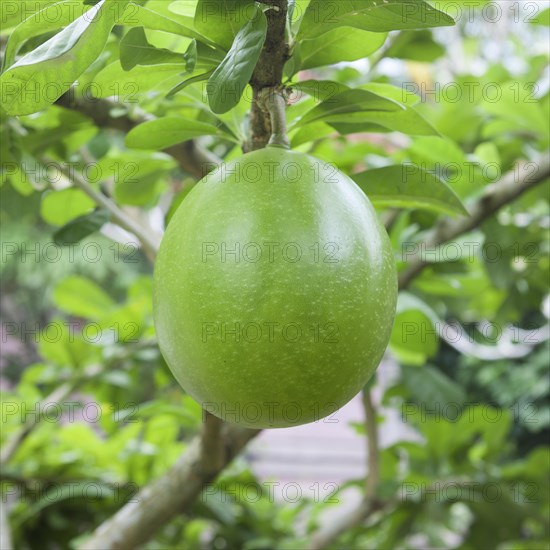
(274, 290)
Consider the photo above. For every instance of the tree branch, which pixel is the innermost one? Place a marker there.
(370, 502)
(268, 72)
(60, 394)
(172, 493)
(5, 531)
(192, 158)
(497, 195)
(149, 241)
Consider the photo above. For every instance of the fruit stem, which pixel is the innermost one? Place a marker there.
(274, 102)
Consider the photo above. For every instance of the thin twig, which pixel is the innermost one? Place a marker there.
(371, 425)
(192, 157)
(512, 185)
(150, 242)
(57, 396)
(370, 503)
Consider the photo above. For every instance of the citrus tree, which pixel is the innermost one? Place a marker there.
(113, 110)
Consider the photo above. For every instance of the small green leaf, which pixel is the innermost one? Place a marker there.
(81, 227)
(414, 334)
(15, 13)
(337, 45)
(370, 15)
(187, 82)
(136, 50)
(227, 83)
(221, 20)
(415, 46)
(140, 16)
(45, 74)
(409, 186)
(139, 177)
(541, 18)
(79, 296)
(190, 57)
(60, 207)
(319, 89)
(168, 131)
(128, 86)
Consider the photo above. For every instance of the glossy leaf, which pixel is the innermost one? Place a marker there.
(187, 82)
(128, 86)
(141, 16)
(136, 50)
(60, 207)
(337, 45)
(46, 73)
(407, 121)
(370, 15)
(229, 80)
(409, 186)
(221, 20)
(14, 13)
(319, 89)
(50, 18)
(168, 131)
(348, 102)
(81, 227)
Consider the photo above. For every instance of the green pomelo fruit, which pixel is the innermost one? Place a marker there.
(275, 290)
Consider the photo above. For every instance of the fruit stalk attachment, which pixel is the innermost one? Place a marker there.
(273, 101)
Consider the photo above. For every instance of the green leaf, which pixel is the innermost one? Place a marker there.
(370, 15)
(401, 95)
(187, 82)
(50, 18)
(433, 389)
(79, 296)
(45, 74)
(414, 335)
(136, 50)
(409, 186)
(81, 227)
(168, 131)
(415, 46)
(229, 80)
(191, 56)
(221, 20)
(348, 102)
(128, 86)
(60, 207)
(140, 16)
(319, 89)
(14, 13)
(139, 177)
(407, 121)
(541, 18)
(337, 45)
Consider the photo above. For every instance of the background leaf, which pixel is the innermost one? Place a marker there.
(409, 186)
